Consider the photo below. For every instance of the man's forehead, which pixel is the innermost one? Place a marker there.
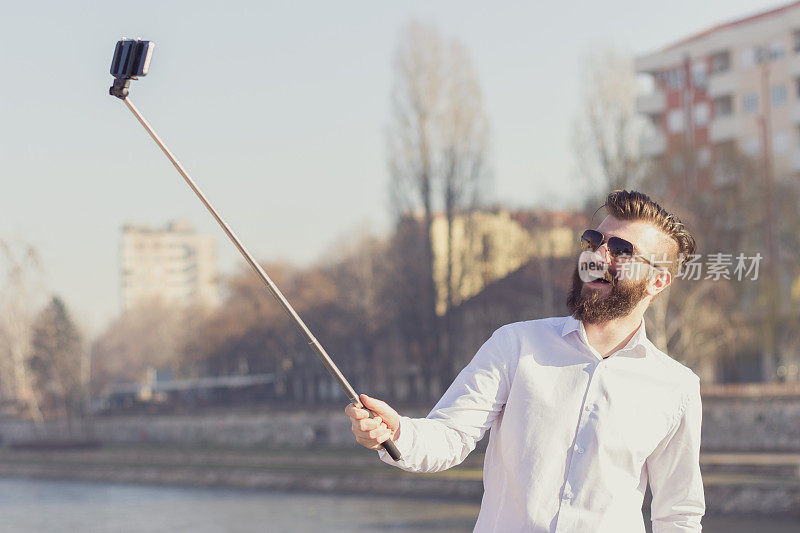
(643, 235)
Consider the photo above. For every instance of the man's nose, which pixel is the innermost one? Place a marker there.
(602, 250)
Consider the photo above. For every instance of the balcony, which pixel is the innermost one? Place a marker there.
(724, 129)
(721, 84)
(653, 144)
(651, 104)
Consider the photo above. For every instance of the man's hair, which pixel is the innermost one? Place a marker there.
(636, 206)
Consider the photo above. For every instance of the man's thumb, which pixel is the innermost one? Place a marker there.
(379, 407)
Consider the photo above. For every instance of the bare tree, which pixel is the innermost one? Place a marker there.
(152, 334)
(361, 272)
(608, 131)
(55, 362)
(17, 300)
(437, 152)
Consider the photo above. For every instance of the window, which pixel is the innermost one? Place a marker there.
(776, 50)
(674, 79)
(699, 75)
(750, 103)
(675, 121)
(720, 62)
(780, 143)
(796, 40)
(778, 95)
(702, 113)
(797, 86)
(723, 106)
(749, 57)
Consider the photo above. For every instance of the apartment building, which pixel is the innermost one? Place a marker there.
(732, 90)
(173, 264)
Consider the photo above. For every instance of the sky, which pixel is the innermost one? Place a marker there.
(279, 111)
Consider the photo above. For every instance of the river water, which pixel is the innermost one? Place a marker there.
(52, 506)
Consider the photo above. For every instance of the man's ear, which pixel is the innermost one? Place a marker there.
(660, 281)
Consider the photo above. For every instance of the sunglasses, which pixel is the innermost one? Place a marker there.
(618, 248)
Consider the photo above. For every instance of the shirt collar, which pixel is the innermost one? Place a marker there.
(636, 346)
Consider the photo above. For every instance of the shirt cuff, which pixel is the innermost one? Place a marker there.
(403, 440)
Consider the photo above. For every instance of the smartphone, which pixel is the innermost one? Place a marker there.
(131, 58)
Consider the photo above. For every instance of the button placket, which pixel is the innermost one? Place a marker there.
(583, 420)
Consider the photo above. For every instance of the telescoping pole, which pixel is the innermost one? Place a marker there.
(323, 356)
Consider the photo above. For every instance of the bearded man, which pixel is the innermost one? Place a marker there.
(584, 410)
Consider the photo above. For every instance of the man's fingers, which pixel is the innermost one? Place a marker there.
(367, 443)
(386, 435)
(373, 424)
(356, 412)
(374, 439)
(365, 424)
(370, 434)
(381, 408)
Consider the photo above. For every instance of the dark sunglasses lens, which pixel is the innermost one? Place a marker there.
(591, 240)
(620, 247)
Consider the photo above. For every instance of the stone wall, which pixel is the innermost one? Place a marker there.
(730, 423)
(757, 424)
(272, 429)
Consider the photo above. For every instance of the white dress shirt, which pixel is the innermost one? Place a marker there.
(575, 437)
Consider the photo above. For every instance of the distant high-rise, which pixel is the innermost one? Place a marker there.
(731, 89)
(173, 264)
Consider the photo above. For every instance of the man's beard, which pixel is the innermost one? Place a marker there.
(592, 306)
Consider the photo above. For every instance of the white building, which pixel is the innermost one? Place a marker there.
(733, 87)
(173, 264)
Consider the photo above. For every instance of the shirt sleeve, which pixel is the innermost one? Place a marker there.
(460, 419)
(674, 472)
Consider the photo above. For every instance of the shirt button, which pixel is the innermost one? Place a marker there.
(589, 407)
(567, 494)
(578, 449)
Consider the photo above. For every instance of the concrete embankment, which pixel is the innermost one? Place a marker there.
(731, 422)
(345, 471)
(751, 458)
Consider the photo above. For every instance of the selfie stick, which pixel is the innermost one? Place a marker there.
(132, 53)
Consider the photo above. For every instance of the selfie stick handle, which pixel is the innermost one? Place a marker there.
(323, 356)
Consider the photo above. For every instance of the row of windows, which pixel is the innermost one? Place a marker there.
(719, 62)
(674, 78)
(778, 96)
(755, 55)
(781, 145)
(723, 107)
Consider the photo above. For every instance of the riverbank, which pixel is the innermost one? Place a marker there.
(92, 507)
(763, 484)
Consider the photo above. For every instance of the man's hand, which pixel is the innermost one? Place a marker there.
(372, 432)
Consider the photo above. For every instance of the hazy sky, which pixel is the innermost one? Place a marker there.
(278, 109)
